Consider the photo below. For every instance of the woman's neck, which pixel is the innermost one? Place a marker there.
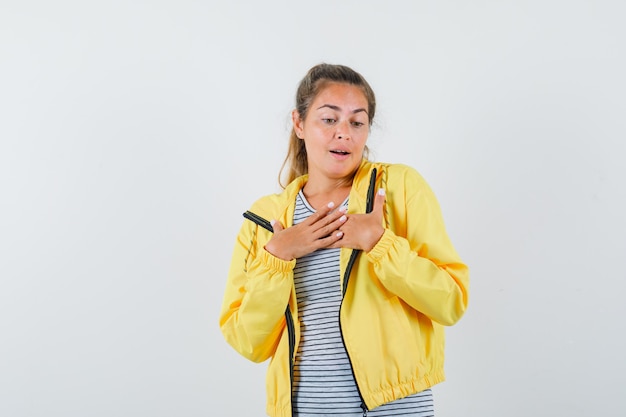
(320, 193)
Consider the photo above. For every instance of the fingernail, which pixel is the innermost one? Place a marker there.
(331, 205)
(381, 191)
(272, 222)
(343, 218)
(339, 234)
(343, 209)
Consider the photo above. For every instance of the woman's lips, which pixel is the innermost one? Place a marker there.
(340, 154)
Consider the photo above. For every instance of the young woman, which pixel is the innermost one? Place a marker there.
(345, 279)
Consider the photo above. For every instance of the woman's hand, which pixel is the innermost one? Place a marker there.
(320, 230)
(363, 231)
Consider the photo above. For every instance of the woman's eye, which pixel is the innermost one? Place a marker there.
(329, 121)
(357, 124)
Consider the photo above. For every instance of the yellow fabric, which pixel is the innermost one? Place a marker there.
(399, 295)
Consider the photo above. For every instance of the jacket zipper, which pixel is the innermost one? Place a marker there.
(292, 346)
(369, 206)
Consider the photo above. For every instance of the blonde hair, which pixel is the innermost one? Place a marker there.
(314, 81)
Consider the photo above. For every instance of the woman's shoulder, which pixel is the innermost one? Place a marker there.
(267, 202)
(399, 172)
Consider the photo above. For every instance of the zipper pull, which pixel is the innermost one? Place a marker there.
(364, 407)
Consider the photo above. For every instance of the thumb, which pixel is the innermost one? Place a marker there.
(379, 202)
(276, 226)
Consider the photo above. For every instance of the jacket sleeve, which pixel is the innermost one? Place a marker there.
(257, 293)
(419, 264)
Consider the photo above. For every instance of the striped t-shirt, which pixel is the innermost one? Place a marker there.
(323, 380)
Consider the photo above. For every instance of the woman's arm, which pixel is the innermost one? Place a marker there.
(257, 293)
(423, 268)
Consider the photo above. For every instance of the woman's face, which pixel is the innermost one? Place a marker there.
(334, 131)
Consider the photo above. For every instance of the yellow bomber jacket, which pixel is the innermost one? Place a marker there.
(396, 297)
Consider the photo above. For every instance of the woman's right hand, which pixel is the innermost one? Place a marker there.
(319, 230)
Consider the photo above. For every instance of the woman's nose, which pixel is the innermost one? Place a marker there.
(343, 130)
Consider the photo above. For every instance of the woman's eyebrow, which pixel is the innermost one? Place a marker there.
(337, 108)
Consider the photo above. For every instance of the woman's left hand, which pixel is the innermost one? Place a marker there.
(363, 231)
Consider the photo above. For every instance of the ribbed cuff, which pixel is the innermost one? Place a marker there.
(277, 264)
(382, 247)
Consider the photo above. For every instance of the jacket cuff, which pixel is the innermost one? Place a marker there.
(382, 247)
(277, 264)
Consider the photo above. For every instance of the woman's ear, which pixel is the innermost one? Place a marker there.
(297, 124)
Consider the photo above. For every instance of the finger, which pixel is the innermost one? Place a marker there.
(320, 214)
(325, 224)
(276, 225)
(330, 207)
(331, 240)
(334, 223)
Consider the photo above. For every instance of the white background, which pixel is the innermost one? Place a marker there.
(134, 134)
